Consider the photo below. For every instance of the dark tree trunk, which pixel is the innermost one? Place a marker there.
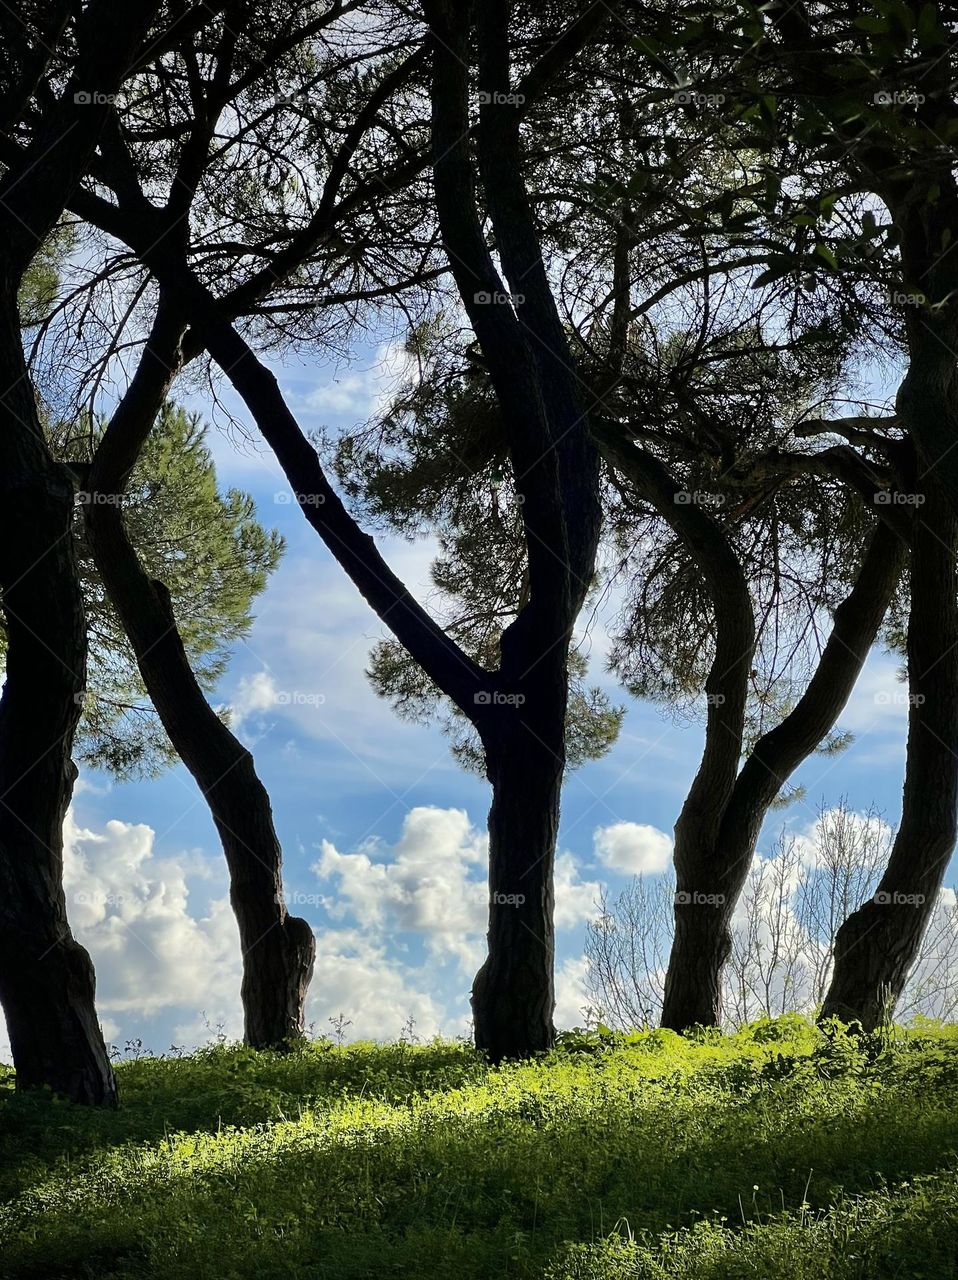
(513, 996)
(701, 947)
(710, 875)
(278, 949)
(877, 945)
(46, 978)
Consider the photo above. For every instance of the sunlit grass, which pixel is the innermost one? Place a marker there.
(772, 1153)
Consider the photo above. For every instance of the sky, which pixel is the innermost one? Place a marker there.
(383, 834)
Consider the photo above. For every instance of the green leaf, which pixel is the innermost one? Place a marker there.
(928, 28)
(827, 255)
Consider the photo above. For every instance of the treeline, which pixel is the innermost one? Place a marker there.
(648, 260)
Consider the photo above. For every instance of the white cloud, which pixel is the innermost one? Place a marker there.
(571, 994)
(356, 978)
(162, 950)
(360, 395)
(633, 847)
(131, 910)
(576, 900)
(256, 693)
(424, 884)
(879, 700)
(154, 948)
(433, 882)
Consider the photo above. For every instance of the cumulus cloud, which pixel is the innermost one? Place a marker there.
(360, 395)
(358, 979)
(428, 883)
(132, 911)
(433, 883)
(572, 997)
(403, 937)
(255, 694)
(633, 847)
(156, 946)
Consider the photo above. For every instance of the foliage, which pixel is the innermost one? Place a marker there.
(209, 551)
(783, 931)
(437, 460)
(780, 1151)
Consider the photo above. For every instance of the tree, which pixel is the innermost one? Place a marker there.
(877, 945)
(519, 710)
(210, 552)
(46, 978)
(783, 933)
(278, 949)
(866, 131)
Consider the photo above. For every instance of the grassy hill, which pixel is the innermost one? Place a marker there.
(773, 1153)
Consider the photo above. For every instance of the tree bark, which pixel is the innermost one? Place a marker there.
(710, 878)
(278, 949)
(513, 995)
(46, 978)
(877, 945)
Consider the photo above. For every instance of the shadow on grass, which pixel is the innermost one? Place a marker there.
(216, 1087)
(490, 1193)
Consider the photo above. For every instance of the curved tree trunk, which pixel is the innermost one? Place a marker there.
(710, 879)
(877, 945)
(278, 949)
(46, 977)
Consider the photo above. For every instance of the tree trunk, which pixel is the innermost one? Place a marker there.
(278, 949)
(713, 855)
(877, 945)
(513, 996)
(700, 950)
(46, 978)
(521, 720)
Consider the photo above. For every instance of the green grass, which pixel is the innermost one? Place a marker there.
(773, 1153)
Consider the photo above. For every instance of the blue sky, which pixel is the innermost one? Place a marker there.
(382, 832)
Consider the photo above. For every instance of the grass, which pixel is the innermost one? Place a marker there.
(774, 1153)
